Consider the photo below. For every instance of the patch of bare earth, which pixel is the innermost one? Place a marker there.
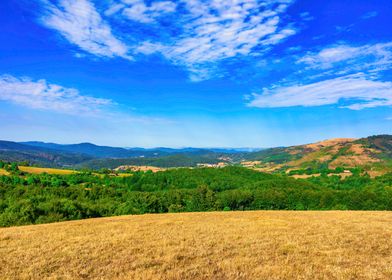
(250, 163)
(329, 143)
(376, 173)
(312, 156)
(139, 168)
(294, 151)
(316, 151)
(358, 156)
(4, 172)
(305, 176)
(220, 245)
(268, 167)
(342, 175)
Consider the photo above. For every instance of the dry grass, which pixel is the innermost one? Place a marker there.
(140, 168)
(4, 172)
(124, 174)
(40, 170)
(342, 175)
(221, 245)
(330, 142)
(305, 176)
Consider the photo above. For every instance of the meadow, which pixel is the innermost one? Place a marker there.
(214, 245)
(4, 172)
(41, 170)
(206, 244)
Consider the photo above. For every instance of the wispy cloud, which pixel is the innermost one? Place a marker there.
(81, 24)
(344, 75)
(374, 57)
(217, 30)
(46, 96)
(354, 92)
(370, 15)
(195, 34)
(139, 11)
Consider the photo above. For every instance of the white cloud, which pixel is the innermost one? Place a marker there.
(375, 56)
(195, 34)
(114, 9)
(357, 91)
(45, 96)
(139, 11)
(81, 24)
(42, 95)
(370, 15)
(217, 30)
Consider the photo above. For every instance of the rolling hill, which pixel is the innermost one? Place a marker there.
(94, 156)
(373, 154)
(98, 151)
(12, 151)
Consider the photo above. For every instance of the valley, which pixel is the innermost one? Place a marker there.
(372, 155)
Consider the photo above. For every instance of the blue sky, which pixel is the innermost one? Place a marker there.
(197, 73)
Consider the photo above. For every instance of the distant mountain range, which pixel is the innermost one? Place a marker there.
(113, 152)
(87, 154)
(373, 153)
(12, 151)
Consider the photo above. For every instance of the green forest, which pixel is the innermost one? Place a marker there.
(33, 199)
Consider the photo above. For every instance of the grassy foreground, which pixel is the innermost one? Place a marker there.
(215, 245)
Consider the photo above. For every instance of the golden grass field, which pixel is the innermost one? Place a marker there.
(215, 245)
(3, 172)
(40, 170)
(55, 171)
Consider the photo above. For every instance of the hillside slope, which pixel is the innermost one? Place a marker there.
(217, 245)
(97, 151)
(373, 154)
(121, 153)
(12, 151)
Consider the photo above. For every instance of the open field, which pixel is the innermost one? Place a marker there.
(55, 171)
(3, 172)
(40, 170)
(140, 168)
(215, 245)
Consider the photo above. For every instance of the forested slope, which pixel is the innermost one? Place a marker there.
(29, 198)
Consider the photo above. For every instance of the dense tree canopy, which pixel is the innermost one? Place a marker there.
(30, 199)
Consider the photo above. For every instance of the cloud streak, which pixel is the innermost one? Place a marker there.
(373, 58)
(343, 75)
(80, 23)
(45, 96)
(51, 97)
(354, 92)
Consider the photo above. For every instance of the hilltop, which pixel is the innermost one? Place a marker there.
(372, 154)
